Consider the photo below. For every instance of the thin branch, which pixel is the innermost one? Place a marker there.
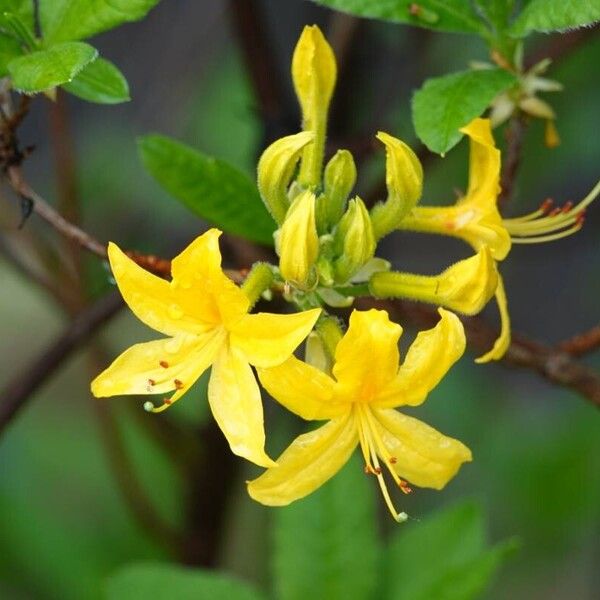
(515, 134)
(583, 343)
(560, 45)
(81, 329)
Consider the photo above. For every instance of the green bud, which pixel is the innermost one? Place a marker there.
(257, 281)
(339, 179)
(275, 170)
(354, 242)
(404, 181)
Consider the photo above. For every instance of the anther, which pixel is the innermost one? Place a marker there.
(164, 364)
(151, 382)
(546, 205)
(404, 486)
(167, 401)
(567, 207)
(555, 211)
(393, 460)
(178, 384)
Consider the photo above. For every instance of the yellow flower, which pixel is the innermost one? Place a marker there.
(476, 220)
(358, 401)
(205, 316)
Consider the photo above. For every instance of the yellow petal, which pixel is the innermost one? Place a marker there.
(235, 402)
(424, 456)
(503, 342)
(404, 180)
(159, 367)
(314, 73)
(152, 299)
(470, 223)
(298, 240)
(276, 168)
(198, 277)
(303, 389)
(484, 166)
(268, 339)
(309, 461)
(428, 359)
(366, 358)
(466, 286)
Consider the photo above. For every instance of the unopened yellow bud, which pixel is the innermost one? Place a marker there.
(354, 242)
(339, 179)
(314, 73)
(404, 181)
(275, 170)
(466, 286)
(298, 242)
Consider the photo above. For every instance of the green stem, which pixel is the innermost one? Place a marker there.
(258, 280)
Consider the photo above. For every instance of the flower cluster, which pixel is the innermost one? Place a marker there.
(326, 241)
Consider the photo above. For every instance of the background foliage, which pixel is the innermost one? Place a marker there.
(69, 527)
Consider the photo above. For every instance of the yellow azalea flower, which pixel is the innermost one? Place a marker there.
(205, 316)
(358, 401)
(476, 220)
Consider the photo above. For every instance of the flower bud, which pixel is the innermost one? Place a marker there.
(314, 73)
(339, 179)
(275, 170)
(466, 286)
(298, 242)
(404, 181)
(353, 241)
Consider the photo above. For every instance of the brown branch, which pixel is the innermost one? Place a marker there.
(251, 32)
(561, 45)
(583, 343)
(515, 134)
(554, 364)
(83, 326)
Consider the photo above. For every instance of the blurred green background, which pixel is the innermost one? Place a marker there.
(66, 519)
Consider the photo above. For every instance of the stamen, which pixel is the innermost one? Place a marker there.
(371, 444)
(164, 364)
(405, 487)
(151, 382)
(549, 238)
(178, 384)
(558, 223)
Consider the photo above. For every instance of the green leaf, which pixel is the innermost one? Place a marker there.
(48, 68)
(19, 29)
(22, 8)
(63, 20)
(9, 49)
(443, 15)
(498, 12)
(445, 104)
(209, 187)
(443, 557)
(555, 15)
(470, 580)
(100, 82)
(326, 545)
(169, 582)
